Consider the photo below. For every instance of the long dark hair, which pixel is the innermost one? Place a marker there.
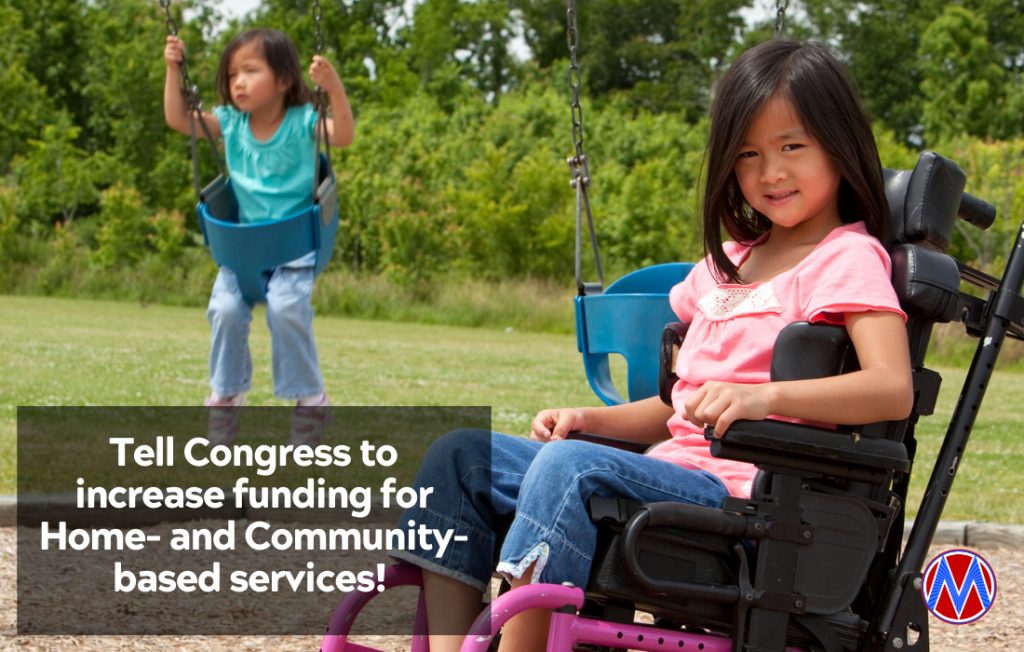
(282, 56)
(820, 90)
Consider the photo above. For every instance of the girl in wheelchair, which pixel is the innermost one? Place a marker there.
(795, 181)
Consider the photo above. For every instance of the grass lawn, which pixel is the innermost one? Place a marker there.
(72, 352)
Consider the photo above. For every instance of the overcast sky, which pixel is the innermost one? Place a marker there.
(236, 8)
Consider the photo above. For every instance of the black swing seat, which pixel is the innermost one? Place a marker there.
(811, 559)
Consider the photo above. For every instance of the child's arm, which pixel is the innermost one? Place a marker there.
(340, 128)
(882, 390)
(643, 421)
(175, 111)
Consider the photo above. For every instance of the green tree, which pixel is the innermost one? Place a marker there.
(664, 55)
(357, 35)
(26, 108)
(55, 54)
(451, 41)
(125, 231)
(963, 86)
(883, 43)
(123, 81)
(56, 177)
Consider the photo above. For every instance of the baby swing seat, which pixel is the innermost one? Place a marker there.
(627, 319)
(252, 250)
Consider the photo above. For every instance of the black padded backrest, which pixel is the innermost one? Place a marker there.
(923, 203)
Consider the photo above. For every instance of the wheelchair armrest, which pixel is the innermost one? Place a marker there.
(622, 444)
(671, 340)
(809, 448)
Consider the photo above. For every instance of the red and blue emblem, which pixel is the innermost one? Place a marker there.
(959, 587)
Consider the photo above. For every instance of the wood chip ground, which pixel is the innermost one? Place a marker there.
(1001, 629)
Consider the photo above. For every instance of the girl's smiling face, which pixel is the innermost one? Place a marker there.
(252, 82)
(785, 174)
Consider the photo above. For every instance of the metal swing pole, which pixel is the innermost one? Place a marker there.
(578, 168)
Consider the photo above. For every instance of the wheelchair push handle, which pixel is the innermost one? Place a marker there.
(977, 212)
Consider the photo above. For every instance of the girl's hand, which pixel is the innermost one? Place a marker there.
(550, 425)
(174, 52)
(719, 404)
(324, 75)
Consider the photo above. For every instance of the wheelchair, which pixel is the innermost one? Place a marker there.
(814, 559)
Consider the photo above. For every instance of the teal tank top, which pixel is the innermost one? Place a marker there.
(272, 179)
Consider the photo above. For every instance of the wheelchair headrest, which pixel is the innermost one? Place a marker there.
(924, 202)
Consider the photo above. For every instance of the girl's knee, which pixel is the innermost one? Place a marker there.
(227, 307)
(289, 311)
(564, 455)
(451, 458)
(462, 445)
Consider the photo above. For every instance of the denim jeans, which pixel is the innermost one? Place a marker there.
(290, 318)
(477, 476)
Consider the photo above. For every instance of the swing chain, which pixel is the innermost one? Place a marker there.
(318, 45)
(188, 89)
(575, 79)
(320, 103)
(780, 16)
(318, 15)
(578, 168)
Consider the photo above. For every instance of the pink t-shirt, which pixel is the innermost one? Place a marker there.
(733, 328)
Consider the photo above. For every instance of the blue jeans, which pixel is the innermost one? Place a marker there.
(477, 476)
(294, 359)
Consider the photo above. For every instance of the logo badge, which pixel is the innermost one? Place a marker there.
(959, 587)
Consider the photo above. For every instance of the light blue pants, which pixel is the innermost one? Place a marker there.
(477, 476)
(294, 359)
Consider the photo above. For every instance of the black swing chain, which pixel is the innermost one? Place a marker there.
(575, 79)
(578, 168)
(188, 89)
(320, 104)
(780, 16)
(193, 104)
(318, 38)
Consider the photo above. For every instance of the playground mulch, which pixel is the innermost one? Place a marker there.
(1001, 629)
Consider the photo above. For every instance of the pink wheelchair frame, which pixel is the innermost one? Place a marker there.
(567, 629)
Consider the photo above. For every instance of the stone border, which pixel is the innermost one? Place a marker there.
(975, 534)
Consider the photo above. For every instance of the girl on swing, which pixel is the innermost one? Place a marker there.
(794, 180)
(267, 122)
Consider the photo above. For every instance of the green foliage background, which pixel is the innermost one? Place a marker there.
(456, 178)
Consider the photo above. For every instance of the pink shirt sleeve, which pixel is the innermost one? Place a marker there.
(851, 274)
(684, 295)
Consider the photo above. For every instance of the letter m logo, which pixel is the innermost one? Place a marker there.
(959, 586)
